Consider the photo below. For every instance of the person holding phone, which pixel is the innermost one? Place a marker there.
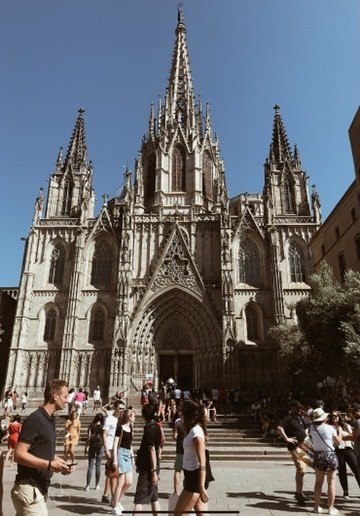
(35, 453)
(193, 495)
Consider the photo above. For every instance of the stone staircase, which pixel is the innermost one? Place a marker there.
(233, 437)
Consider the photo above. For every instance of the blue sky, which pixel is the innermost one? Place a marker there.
(112, 57)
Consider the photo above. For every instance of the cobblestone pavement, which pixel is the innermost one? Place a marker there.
(247, 488)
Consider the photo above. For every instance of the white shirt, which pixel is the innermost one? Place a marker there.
(327, 433)
(110, 426)
(97, 394)
(190, 460)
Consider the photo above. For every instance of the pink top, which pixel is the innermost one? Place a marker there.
(80, 396)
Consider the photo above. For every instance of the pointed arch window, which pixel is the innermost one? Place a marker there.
(252, 323)
(207, 176)
(287, 196)
(50, 325)
(296, 263)
(150, 177)
(67, 197)
(102, 264)
(97, 325)
(57, 265)
(249, 263)
(177, 171)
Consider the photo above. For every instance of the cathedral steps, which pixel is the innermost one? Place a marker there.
(232, 438)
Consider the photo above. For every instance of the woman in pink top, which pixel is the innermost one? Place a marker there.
(79, 400)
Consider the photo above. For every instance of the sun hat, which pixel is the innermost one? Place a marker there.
(319, 415)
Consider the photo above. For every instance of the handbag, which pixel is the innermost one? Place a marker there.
(305, 451)
(111, 470)
(209, 476)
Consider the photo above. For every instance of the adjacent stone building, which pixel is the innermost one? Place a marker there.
(172, 277)
(338, 239)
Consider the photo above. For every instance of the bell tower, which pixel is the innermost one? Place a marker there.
(70, 191)
(286, 189)
(179, 167)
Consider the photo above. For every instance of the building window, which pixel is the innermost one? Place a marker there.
(287, 196)
(357, 246)
(342, 265)
(57, 264)
(337, 232)
(97, 325)
(323, 250)
(150, 178)
(102, 265)
(353, 215)
(296, 263)
(67, 197)
(249, 263)
(50, 325)
(252, 323)
(207, 176)
(178, 171)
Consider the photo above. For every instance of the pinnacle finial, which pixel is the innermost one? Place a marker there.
(276, 108)
(180, 12)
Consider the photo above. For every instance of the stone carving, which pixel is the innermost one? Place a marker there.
(175, 268)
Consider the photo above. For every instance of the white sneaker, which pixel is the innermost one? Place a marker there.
(333, 510)
(87, 488)
(319, 510)
(116, 511)
(97, 487)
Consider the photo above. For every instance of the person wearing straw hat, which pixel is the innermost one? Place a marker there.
(324, 437)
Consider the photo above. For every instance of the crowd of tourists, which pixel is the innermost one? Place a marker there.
(109, 436)
(323, 435)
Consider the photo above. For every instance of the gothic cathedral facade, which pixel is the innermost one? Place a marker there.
(172, 277)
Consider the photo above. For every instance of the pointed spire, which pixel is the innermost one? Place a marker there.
(59, 159)
(76, 154)
(207, 117)
(279, 148)
(151, 128)
(159, 115)
(180, 90)
(296, 157)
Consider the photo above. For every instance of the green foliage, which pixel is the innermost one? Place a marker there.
(291, 344)
(326, 341)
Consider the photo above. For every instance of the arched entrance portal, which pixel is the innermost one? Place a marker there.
(179, 367)
(177, 335)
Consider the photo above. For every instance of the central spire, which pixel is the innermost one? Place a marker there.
(76, 154)
(180, 95)
(279, 149)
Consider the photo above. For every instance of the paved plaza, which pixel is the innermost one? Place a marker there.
(246, 488)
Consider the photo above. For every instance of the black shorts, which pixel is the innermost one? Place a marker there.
(191, 480)
(145, 491)
(325, 460)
